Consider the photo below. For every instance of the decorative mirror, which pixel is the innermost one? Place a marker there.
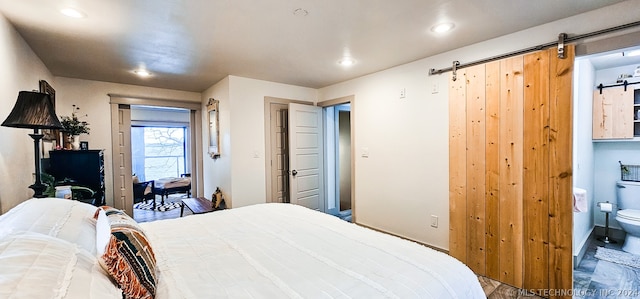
(214, 130)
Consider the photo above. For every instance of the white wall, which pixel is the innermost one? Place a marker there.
(607, 172)
(405, 178)
(240, 170)
(246, 96)
(217, 173)
(609, 76)
(583, 152)
(93, 100)
(21, 70)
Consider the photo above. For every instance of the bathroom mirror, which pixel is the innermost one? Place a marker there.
(214, 130)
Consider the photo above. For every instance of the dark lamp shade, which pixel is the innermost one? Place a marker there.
(33, 110)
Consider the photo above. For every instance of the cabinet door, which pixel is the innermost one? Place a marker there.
(613, 113)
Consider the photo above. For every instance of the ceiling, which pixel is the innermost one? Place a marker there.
(192, 44)
(614, 59)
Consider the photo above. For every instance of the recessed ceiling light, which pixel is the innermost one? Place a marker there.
(73, 13)
(346, 61)
(442, 28)
(300, 12)
(142, 73)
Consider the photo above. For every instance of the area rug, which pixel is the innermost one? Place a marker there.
(160, 207)
(618, 256)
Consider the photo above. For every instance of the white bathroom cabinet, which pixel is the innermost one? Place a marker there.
(615, 115)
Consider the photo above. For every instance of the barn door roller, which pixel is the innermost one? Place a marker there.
(454, 70)
(561, 38)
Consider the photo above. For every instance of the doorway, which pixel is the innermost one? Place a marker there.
(608, 137)
(160, 142)
(294, 147)
(121, 123)
(336, 162)
(338, 156)
(160, 154)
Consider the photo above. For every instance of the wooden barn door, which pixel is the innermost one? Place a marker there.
(510, 143)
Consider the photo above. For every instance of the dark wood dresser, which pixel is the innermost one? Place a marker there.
(83, 167)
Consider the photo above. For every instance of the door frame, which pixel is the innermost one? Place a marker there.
(267, 137)
(195, 151)
(282, 113)
(351, 99)
(120, 153)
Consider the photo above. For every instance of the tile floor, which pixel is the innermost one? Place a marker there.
(592, 279)
(497, 290)
(595, 278)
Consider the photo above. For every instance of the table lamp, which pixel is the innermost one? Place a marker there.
(34, 110)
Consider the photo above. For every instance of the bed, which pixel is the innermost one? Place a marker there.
(259, 251)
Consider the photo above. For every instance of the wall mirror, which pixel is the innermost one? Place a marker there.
(214, 129)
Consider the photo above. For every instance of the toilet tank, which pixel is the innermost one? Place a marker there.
(628, 195)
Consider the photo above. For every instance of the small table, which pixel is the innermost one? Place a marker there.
(198, 205)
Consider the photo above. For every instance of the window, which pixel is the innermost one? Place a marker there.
(158, 151)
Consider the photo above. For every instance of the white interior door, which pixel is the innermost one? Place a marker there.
(306, 156)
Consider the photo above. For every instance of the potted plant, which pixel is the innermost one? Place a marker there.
(73, 127)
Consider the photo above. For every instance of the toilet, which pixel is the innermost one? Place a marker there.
(628, 194)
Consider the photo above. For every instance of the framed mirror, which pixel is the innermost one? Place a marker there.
(214, 129)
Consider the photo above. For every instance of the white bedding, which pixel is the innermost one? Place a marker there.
(69, 220)
(288, 251)
(34, 265)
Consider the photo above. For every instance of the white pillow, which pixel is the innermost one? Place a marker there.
(103, 232)
(66, 219)
(40, 266)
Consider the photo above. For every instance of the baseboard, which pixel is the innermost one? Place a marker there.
(583, 248)
(614, 233)
(406, 238)
(597, 231)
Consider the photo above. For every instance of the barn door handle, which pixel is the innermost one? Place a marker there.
(294, 172)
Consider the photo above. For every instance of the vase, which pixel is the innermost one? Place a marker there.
(75, 144)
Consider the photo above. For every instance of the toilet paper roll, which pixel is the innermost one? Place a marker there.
(606, 207)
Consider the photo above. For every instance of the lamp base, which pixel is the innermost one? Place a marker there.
(38, 190)
(38, 187)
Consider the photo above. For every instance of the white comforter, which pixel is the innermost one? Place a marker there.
(288, 251)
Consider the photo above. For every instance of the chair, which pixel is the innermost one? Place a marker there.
(144, 191)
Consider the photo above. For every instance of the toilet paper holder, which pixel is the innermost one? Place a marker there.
(607, 209)
(604, 208)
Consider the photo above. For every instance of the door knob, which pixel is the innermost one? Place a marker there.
(294, 172)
